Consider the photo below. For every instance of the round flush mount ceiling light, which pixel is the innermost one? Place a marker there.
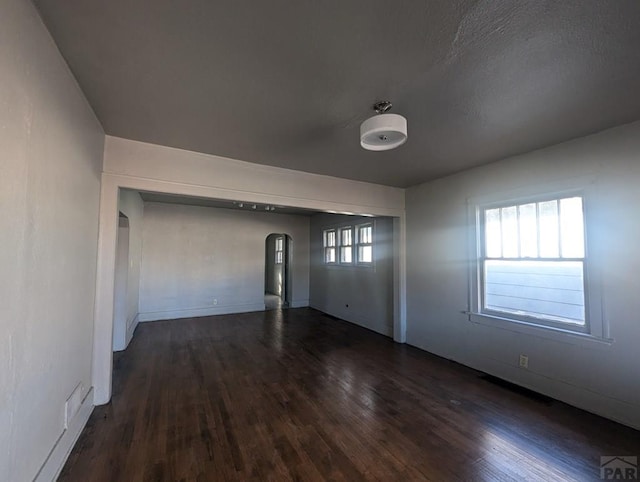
(383, 131)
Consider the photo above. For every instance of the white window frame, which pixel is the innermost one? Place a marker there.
(343, 247)
(353, 225)
(327, 247)
(279, 250)
(360, 244)
(595, 327)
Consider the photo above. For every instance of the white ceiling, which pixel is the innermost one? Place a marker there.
(287, 83)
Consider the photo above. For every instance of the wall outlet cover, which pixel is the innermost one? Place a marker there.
(524, 361)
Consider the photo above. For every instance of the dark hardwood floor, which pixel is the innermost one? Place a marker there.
(298, 395)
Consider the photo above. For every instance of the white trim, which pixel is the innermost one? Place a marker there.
(597, 326)
(59, 454)
(221, 193)
(353, 226)
(358, 244)
(348, 228)
(541, 331)
(131, 328)
(134, 159)
(531, 192)
(197, 312)
(400, 279)
(326, 246)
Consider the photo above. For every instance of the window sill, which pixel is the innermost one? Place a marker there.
(540, 331)
(349, 265)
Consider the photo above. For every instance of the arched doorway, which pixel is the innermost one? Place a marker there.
(277, 271)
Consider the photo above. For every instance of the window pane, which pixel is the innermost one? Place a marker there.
(330, 255)
(346, 237)
(572, 228)
(329, 238)
(509, 232)
(528, 231)
(493, 233)
(549, 241)
(365, 254)
(279, 244)
(552, 290)
(364, 236)
(345, 254)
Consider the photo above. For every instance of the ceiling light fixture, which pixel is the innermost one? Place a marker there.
(384, 131)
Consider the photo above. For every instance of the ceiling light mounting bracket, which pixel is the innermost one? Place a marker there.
(382, 107)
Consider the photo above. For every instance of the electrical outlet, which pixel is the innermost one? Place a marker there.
(524, 361)
(215, 301)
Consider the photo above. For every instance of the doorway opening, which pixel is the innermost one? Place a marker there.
(120, 287)
(277, 271)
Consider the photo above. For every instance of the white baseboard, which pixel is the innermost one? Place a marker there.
(196, 312)
(52, 467)
(299, 303)
(131, 329)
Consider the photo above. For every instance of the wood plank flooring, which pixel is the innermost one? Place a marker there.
(298, 395)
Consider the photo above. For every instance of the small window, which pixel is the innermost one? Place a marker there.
(346, 245)
(532, 262)
(279, 250)
(329, 244)
(365, 244)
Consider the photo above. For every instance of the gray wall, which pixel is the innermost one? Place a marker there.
(130, 204)
(367, 290)
(50, 165)
(194, 255)
(599, 377)
(121, 285)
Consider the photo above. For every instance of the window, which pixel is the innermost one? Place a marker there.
(365, 244)
(349, 245)
(279, 244)
(329, 243)
(531, 264)
(346, 245)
